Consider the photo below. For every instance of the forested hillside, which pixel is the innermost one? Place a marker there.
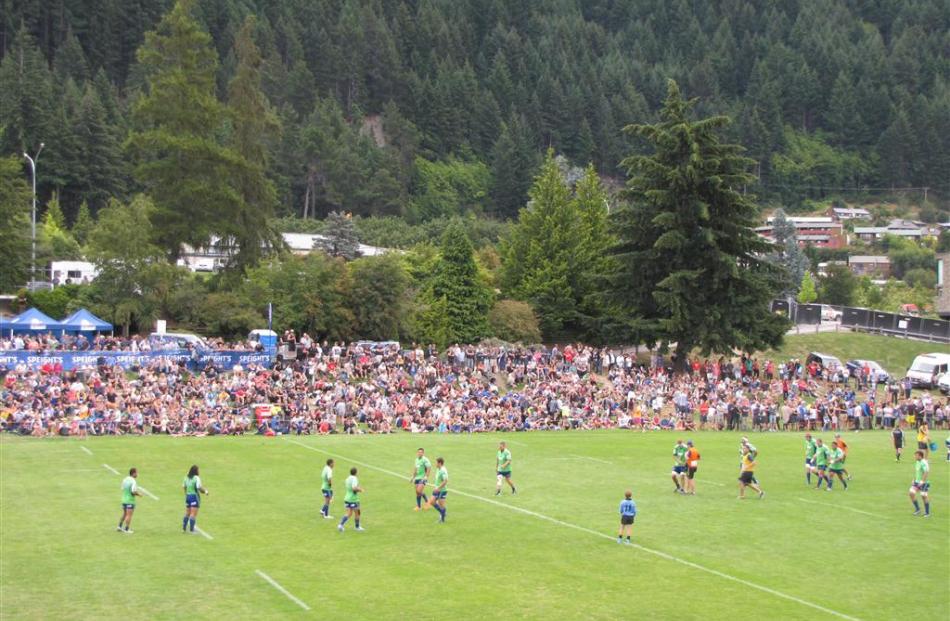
(431, 108)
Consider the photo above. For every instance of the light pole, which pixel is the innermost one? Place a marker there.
(33, 161)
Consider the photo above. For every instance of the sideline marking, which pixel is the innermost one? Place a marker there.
(110, 469)
(277, 586)
(88, 452)
(828, 504)
(203, 533)
(601, 461)
(589, 531)
(146, 492)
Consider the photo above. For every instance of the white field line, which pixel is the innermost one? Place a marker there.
(147, 493)
(515, 442)
(547, 518)
(203, 533)
(110, 468)
(88, 452)
(600, 461)
(830, 504)
(277, 586)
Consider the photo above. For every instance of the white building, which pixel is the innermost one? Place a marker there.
(72, 272)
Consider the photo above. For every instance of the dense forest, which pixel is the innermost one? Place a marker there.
(431, 108)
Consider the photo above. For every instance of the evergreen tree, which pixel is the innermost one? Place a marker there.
(455, 303)
(101, 152)
(787, 255)
(180, 160)
(339, 236)
(556, 250)
(690, 270)
(83, 225)
(807, 292)
(513, 164)
(541, 258)
(255, 127)
(15, 201)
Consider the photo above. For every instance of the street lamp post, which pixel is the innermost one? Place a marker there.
(33, 161)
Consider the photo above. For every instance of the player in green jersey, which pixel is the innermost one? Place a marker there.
(921, 486)
(192, 487)
(822, 455)
(351, 500)
(129, 491)
(419, 478)
(836, 466)
(326, 487)
(503, 468)
(439, 491)
(679, 467)
(810, 446)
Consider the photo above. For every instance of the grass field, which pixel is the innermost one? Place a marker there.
(548, 552)
(894, 354)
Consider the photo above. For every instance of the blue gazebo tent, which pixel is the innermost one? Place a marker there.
(84, 321)
(32, 320)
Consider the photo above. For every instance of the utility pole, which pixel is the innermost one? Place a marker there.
(33, 160)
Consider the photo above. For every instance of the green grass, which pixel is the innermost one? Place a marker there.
(894, 354)
(858, 552)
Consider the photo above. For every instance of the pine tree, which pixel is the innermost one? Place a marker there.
(339, 238)
(101, 152)
(180, 160)
(455, 302)
(807, 293)
(541, 258)
(689, 267)
(513, 164)
(787, 255)
(255, 128)
(15, 196)
(83, 225)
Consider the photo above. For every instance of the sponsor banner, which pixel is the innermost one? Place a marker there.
(69, 360)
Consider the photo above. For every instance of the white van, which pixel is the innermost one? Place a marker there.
(176, 340)
(926, 368)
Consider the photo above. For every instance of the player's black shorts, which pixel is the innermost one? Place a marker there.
(626, 520)
(922, 446)
(746, 477)
(690, 473)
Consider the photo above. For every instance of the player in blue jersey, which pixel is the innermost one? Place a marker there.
(628, 511)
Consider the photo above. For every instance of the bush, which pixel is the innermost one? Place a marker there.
(514, 321)
(54, 302)
(921, 277)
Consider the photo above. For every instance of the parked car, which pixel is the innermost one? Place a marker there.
(943, 383)
(378, 347)
(855, 366)
(825, 361)
(829, 313)
(926, 368)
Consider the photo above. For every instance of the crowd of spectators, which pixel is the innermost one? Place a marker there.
(79, 342)
(372, 388)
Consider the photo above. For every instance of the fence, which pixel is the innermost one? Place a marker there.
(867, 320)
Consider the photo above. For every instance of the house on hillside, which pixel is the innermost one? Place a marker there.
(819, 231)
(899, 228)
(870, 265)
(840, 214)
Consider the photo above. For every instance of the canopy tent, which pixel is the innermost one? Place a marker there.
(31, 320)
(84, 321)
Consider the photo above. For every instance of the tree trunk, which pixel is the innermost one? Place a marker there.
(681, 358)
